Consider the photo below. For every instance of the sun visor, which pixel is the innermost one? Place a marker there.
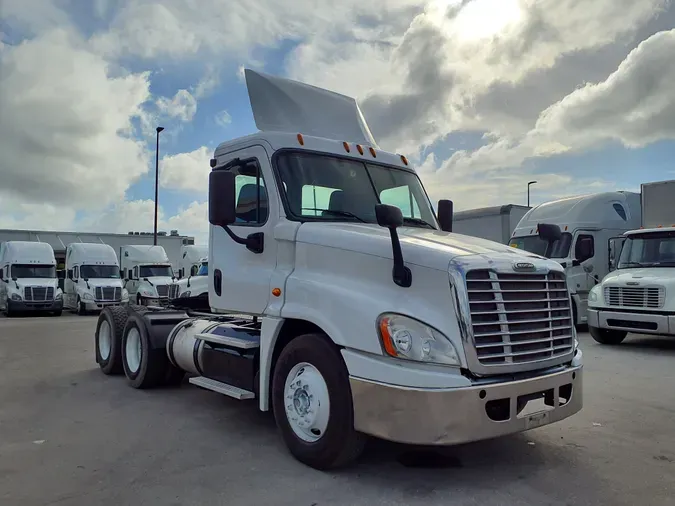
(283, 105)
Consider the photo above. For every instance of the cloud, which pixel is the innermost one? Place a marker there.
(208, 83)
(223, 118)
(66, 128)
(186, 171)
(182, 106)
(635, 106)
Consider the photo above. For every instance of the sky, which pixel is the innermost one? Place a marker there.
(481, 95)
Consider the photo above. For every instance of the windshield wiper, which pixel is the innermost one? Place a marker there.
(336, 212)
(632, 264)
(419, 221)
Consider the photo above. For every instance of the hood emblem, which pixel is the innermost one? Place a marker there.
(632, 283)
(523, 266)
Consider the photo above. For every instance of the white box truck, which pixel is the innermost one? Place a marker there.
(587, 223)
(28, 278)
(356, 319)
(639, 295)
(191, 259)
(92, 278)
(147, 274)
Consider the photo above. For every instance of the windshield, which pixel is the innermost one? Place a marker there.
(535, 244)
(324, 187)
(203, 269)
(649, 250)
(99, 271)
(33, 271)
(151, 271)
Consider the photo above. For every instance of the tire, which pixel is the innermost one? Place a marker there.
(115, 318)
(339, 445)
(607, 336)
(8, 310)
(81, 310)
(139, 300)
(144, 366)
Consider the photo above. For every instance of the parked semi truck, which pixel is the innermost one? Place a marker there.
(28, 279)
(350, 317)
(191, 256)
(92, 278)
(495, 223)
(148, 274)
(197, 287)
(587, 224)
(639, 295)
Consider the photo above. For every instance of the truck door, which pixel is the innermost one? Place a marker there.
(69, 289)
(581, 273)
(239, 278)
(615, 244)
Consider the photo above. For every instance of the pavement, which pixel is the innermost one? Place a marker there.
(70, 435)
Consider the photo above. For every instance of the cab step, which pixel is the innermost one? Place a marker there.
(243, 340)
(222, 388)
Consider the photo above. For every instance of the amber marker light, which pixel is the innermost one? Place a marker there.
(301, 140)
(404, 160)
(359, 148)
(372, 152)
(387, 341)
(276, 292)
(346, 146)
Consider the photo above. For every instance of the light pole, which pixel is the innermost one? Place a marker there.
(528, 192)
(159, 129)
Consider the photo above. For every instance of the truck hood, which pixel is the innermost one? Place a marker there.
(421, 246)
(25, 282)
(116, 282)
(194, 279)
(644, 276)
(159, 280)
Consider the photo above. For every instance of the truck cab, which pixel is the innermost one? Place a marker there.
(28, 279)
(589, 226)
(354, 309)
(195, 284)
(147, 274)
(638, 295)
(191, 256)
(92, 278)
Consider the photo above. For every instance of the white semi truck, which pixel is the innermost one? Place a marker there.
(587, 224)
(639, 295)
(351, 318)
(92, 278)
(148, 275)
(191, 256)
(196, 284)
(28, 279)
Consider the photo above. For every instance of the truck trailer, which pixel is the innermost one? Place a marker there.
(639, 294)
(495, 223)
(349, 318)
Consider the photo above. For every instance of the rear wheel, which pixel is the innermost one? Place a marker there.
(312, 403)
(607, 336)
(108, 339)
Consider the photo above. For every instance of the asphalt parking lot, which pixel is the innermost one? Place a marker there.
(71, 436)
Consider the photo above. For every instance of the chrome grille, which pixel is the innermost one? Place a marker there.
(519, 318)
(163, 290)
(651, 297)
(173, 291)
(108, 293)
(38, 293)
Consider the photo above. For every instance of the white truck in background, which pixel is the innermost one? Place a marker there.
(195, 284)
(587, 225)
(492, 223)
(147, 273)
(191, 256)
(28, 279)
(639, 295)
(352, 318)
(92, 278)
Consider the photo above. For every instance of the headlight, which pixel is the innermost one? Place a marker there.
(405, 338)
(87, 296)
(147, 293)
(59, 296)
(592, 296)
(185, 294)
(125, 294)
(16, 296)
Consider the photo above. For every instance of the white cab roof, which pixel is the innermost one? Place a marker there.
(28, 252)
(670, 228)
(90, 253)
(144, 254)
(284, 105)
(194, 253)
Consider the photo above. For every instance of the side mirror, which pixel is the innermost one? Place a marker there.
(14, 278)
(86, 279)
(222, 195)
(549, 232)
(391, 217)
(388, 216)
(445, 214)
(76, 280)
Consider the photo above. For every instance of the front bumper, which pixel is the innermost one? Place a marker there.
(461, 415)
(93, 305)
(29, 305)
(641, 323)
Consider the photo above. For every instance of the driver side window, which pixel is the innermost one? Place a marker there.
(584, 248)
(401, 197)
(76, 272)
(251, 195)
(135, 273)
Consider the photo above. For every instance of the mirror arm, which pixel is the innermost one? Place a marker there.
(401, 274)
(254, 242)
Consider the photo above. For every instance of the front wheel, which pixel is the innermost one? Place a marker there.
(81, 310)
(607, 336)
(312, 404)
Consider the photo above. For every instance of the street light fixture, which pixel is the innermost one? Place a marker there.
(528, 192)
(158, 129)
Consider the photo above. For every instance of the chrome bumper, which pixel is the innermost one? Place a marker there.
(460, 415)
(641, 323)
